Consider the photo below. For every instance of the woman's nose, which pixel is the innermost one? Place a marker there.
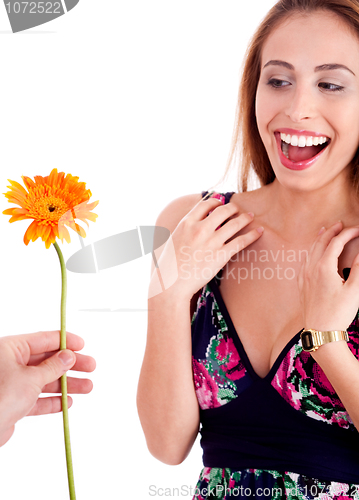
(301, 105)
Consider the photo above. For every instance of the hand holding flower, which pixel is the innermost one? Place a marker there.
(30, 365)
(54, 202)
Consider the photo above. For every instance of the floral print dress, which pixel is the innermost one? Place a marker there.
(283, 436)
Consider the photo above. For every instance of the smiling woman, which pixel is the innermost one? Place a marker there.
(333, 76)
(296, 90)
(274, 382)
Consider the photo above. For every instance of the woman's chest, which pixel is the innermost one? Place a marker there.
(259, 287)
(263, 301)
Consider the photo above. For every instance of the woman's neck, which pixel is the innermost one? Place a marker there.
(298, 215)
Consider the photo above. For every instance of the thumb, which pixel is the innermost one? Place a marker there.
(53, 368)
(5, 436)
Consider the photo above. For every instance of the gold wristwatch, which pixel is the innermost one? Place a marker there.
(313, 339)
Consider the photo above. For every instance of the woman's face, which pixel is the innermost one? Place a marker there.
(307, 103)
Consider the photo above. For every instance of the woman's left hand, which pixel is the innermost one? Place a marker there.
(328, 302)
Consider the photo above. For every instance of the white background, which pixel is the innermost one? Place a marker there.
(137, 98)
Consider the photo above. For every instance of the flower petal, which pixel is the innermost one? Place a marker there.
(15, 197)
(91, 216)
(46, 233)
(52, 178)
(15, 218)
(18, 186)
(64, 233)
(30, 232)
(29, 183)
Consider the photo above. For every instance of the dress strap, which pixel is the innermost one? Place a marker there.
(224, 197)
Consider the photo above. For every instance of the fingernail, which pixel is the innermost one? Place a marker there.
(321, 231)
(251, 214)
(260, 229)
(66, 357)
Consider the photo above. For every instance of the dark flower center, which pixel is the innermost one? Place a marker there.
(51, 208)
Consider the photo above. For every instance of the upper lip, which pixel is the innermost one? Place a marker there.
(305, 133)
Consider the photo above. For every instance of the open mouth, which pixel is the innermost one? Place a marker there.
(302, 149)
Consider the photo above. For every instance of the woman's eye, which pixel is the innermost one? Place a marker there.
(331, 87)
(277, 84)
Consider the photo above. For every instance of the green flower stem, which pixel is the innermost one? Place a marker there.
(65, 412)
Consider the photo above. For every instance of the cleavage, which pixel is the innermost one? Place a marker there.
(265, 319)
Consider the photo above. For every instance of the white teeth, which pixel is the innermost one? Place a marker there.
(302, 140)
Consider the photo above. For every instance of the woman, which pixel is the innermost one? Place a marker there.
(262, 274)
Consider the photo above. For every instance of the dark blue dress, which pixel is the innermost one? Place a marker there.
(287, 435)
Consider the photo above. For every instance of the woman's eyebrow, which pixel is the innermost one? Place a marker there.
(279, 63)
(323, 67)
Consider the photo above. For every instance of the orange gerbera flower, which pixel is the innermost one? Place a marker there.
(53, 202)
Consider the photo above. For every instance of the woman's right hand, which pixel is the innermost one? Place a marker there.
(197, 248)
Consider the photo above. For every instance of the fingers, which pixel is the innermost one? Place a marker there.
(5, 436)
(243, 241)
(222, 213)
(41, 342)
(326, 250)
(336, 244)
(218, 213)
(201, 209)
(322, 241)
(74, 386)
(233, 226)
(83, 363)
(44, 406)
(52, 368)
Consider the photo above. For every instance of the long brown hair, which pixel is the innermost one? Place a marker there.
(247, 149)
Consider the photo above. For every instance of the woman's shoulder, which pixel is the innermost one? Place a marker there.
(250, 201)
(178, 208)
(170, 217)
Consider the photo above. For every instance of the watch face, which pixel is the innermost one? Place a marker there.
(307, 341)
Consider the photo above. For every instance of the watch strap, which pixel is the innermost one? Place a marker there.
(320, 338)
(330, 336)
